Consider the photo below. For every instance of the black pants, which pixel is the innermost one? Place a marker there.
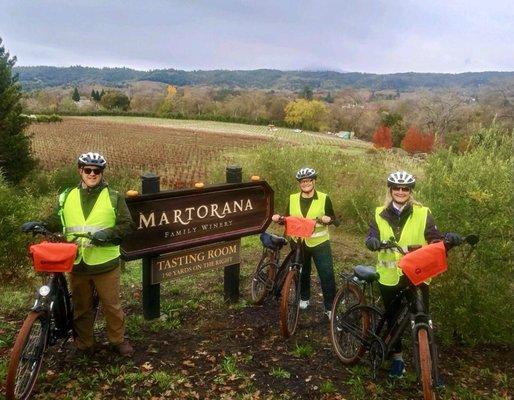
(322, 256)
(392, 303)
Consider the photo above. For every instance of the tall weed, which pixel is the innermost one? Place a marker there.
(472, 193)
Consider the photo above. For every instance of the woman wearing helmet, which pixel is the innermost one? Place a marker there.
(310, 203)
(410, 223)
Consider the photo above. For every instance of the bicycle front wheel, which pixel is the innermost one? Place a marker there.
(27, 356)
(349, 329)
(263, 280)
(425, 365)
(290, 303)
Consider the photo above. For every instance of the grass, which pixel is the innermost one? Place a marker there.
(280, 373)
(303, 350)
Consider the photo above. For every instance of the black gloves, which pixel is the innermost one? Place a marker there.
(100, 237)
(373, 244)
(30, 225)
(452, 239)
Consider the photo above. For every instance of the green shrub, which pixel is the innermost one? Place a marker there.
(472, 193)
(48, 118)
(16, 207)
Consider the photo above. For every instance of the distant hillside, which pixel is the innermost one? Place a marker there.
(44, 76)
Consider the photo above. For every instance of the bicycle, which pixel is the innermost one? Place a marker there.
(50, 319)
(269, 274)
(359, 324)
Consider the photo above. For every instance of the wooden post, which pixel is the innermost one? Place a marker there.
(151, 293)
(231, 273)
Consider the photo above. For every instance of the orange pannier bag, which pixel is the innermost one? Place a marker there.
(299, 227)
(53, 257)
(424, 263)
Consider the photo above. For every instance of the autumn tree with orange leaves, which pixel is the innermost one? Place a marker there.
(416, 141)
(382, 138)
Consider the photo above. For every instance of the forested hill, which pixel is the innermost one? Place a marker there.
(45, 76)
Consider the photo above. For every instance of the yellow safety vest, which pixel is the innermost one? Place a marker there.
(316, 209)
(413, 233)
(102, 216)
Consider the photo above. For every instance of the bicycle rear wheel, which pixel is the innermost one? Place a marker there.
(425, 365)
(290, 303)
(348, 329)
(263, 279)
(27, 356)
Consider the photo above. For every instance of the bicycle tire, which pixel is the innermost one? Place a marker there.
(290, 303)
(347, 346)
(27, 356)
(263, 277)
(425, 365)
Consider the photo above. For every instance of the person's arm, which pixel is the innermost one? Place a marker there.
(329, 212)
(288, 212)
(124, 224)
(432, 233)
(53, 223)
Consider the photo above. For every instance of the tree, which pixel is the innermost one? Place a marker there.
(15, 158)
(75, 96)
(307, 114)
(113, 100)
(166, 107)
(306, 93)
(382, 138)
(416, 141)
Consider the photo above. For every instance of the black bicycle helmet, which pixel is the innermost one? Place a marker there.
(401, 178)
(92, 159)
(306, 173)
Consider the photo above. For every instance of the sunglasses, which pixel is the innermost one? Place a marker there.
(95, 171)
(401, 189)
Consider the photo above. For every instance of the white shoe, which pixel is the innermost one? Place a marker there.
(329, 315)
(304, 304)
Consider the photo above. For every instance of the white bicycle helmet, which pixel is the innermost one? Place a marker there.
(92, 159)
(306, 173)
(401, 178)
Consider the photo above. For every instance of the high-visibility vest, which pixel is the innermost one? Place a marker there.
(413, 233)
(316, 209)
(102, 216)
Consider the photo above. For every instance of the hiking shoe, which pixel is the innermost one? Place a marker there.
(328, 313)
(124, 348)
(397, 369)
(304, 304)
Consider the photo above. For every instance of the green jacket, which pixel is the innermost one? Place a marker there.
(123, 225)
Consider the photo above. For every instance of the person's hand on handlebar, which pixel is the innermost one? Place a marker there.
(276, 217)
(325, 219)
(99, 238)
(373, 244)
(30, 225)
(453, 239)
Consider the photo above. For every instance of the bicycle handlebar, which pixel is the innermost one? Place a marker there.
(42, 230)
(318, 220)
(471, 239)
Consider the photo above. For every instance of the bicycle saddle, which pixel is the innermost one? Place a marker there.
(366, 273)
(272, 242)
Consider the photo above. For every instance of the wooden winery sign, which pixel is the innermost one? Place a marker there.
(196, 260)
(174, 220)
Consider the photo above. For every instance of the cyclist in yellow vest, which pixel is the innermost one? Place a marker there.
(93, 207)
(310, 203)
(410, 224)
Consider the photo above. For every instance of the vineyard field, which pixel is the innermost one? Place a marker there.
(179, 151)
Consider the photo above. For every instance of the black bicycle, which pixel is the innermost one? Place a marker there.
(49, 321)
(359, 324)
(269, 274)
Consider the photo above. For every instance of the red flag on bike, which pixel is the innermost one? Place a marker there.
(53, 257)
(424, 263)
(299, 227)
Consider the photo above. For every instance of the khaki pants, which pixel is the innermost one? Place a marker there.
(108, 288)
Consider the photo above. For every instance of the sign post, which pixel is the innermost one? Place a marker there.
(231, 273)
(150, 183)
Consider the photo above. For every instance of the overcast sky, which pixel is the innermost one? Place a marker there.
(381, 36)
